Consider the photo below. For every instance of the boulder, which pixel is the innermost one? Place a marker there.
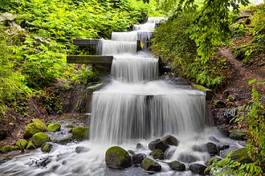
(187, 158)
(7, 17)
(157, 154)
(212, 149)
(80, 133)
(197, 168)
(81, 149)
(158, 144)
(139, 146)
(238, 134)
(177, 166)
(40, 138)
(3, 134)
(170, 140)
(46, 148)
(240, 155)
(53, 127)
(34, 127)
(150, 165)
(138, 158)
(30, 146)
(22, 144)
(117, 158)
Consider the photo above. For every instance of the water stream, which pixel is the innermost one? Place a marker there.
(134, 107)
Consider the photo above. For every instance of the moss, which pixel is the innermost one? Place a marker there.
(22, 144)
(30, 146)
(80, 133)
(150, 165)
(40, 138)
(53, 127)
(157, 154)
(200, 87)
(46, 148)
(8, 148)
(34, 127)
(117, 158)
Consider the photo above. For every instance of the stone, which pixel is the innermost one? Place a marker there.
(223, 146)
(209, 92)
(240, 155)
(117, 158)
(158, 144)
(170, 140)
(46, 148)
(34, 127)
(30, 146)
(22, 144)
(53, 127)
(238, 134)
(8, 148)
(150, 165)
(3, 134)
(138, 158)
(139, 146)
(187, 158)
(197, 168)
(7, 17)
(212, 149)
(177, 166)
(231, 98)
(157, 154)
(81, 149)
(219, 104)
(40, 138)
(80, 133)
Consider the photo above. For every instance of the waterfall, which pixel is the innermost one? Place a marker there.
(135, 105)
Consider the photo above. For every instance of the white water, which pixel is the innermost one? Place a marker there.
(134, 107)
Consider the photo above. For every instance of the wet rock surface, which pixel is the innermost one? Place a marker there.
(150, 165)
(197, 168)
(177, 166)
(158, 144)
(117, 158)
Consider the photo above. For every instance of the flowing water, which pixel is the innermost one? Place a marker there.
(134, 107)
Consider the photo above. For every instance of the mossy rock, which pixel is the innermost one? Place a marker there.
(53, 127)
(240, 155)
(34, 127)
(117, 158)
(8, 148)
(46, 148)
(150, 165)
(157, 154)
(80, 133)
(177, 166)
(209, 93)
(40, 138)
(22, 144)
(238, 134)
(30, 146)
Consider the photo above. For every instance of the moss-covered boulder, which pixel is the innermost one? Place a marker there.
(117, 158)
(46, 148)
(138, 158)
(30, 146)
(40, 138)
(22, 144)
(197, 168)
(158, 144)
(238, 134)
(53, 127)
(240, 155)
(177, 166)
(80, 133)
(8, 148)
(170, 140)
(157, 154)
(150, 165)
(209, 92)
(34, 127)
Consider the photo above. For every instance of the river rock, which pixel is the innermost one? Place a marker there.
(197, 168)
(53, 127)
(170, 140)
(219, 104)
(138, 158)
(34, 127)
(81, 149)
(30, 146)
(212, 149)
(40, 138)
(80, 133)
(187, 158)
(7, 148)
(46, 148)
(177, 166)
(22, 144)
(139, 146)
(240, 155)
(3, 134)
(117, 158)
(238, 134)
(157, 154)
(150, 165)
(158, 144)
